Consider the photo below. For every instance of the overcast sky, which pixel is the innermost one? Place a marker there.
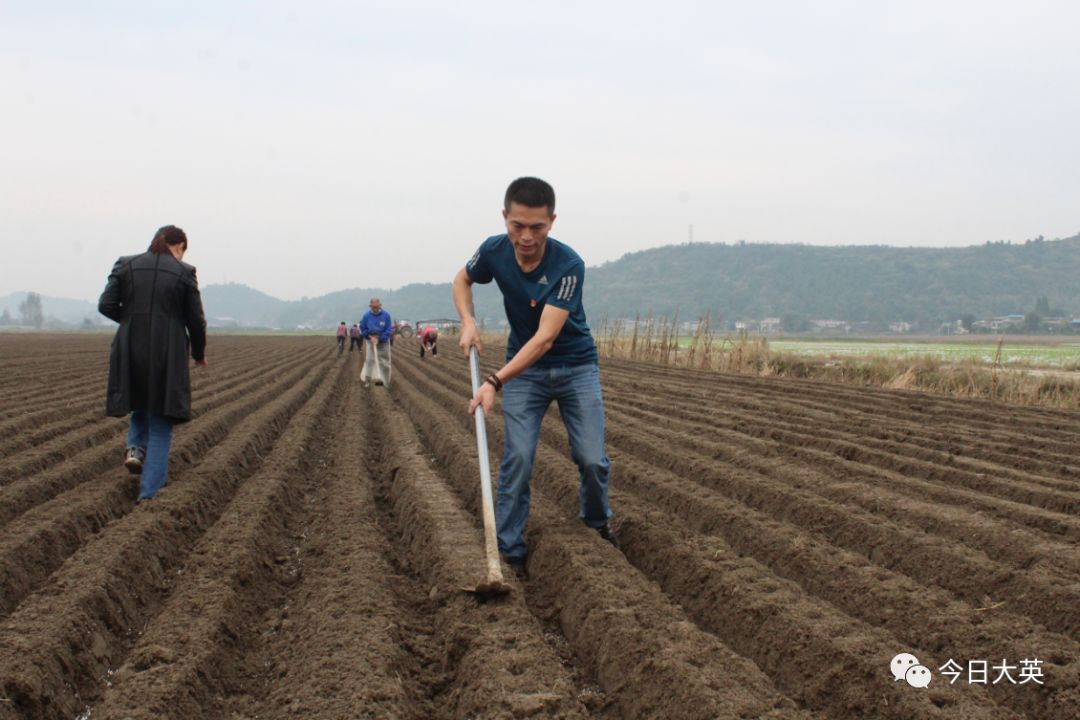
(311, 147)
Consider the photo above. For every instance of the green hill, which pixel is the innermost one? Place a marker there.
(871, 283)
(855, 283)
(235, 305)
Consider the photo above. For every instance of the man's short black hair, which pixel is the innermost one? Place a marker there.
(530, 192)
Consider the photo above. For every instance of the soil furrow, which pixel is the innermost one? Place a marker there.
(645, 653)
(67, 415)
(236, 571)
(18, 497)
(782, 539)
(1047, 598)
(844, 463)
(66, 447)
(1020, 451)
(921, 617)
(35, 545)
(952, 445)
(343, 643)
(502, 665)
(1056, 426)
(57, 648)
(740, 602)
(958, 514)
(1050, 494)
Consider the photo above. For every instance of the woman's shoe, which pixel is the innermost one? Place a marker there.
(133, 460)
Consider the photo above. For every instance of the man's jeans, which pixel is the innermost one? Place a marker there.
(525, 400)
(152, 433)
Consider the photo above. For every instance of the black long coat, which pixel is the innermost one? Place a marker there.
(154, 297)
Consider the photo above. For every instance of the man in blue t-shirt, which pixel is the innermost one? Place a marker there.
(550, 356)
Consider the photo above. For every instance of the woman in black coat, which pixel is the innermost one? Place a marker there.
(155, 298)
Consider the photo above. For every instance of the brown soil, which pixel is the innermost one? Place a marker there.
(781, 541)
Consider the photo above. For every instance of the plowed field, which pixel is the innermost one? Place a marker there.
(781, 542)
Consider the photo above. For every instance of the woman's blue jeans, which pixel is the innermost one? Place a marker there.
(525, 401)
(152, 433)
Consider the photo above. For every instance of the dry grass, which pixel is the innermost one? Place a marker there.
(657, 341)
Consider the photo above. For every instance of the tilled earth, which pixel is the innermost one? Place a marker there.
(781, 542)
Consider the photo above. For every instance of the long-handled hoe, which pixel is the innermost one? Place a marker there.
(378, 362)
(494, 584)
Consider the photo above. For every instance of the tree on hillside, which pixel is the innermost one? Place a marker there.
(31, 311)
(6, 318)
(1032, 321)
(1042, 306)
(968, 321)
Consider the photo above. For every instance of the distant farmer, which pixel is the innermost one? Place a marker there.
(429, 339)
(550, 355)
(376, 327)
(342, 334)
(155, 298)
(354, 338)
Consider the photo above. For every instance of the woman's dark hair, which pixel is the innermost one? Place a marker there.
(530, 192)
(168, 235)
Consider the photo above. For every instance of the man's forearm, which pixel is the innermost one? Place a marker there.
(529, 353)
(551, 324)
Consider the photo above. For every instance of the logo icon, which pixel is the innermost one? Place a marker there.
(543, 280)
(532, 303)
(906, 666)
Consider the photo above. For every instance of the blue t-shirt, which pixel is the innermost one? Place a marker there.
(557, 280)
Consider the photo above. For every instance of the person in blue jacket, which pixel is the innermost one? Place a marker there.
(376, 327)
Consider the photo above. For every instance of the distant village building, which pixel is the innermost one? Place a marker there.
(771, 326)
(1002, 323)
(953, 328)
(1056, 324)
(689, 327)
(832, 326)
(901, 326)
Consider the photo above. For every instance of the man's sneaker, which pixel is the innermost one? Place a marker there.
(133, 460)
(608, 534)
(517, 566)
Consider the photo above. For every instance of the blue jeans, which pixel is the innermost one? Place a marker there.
(152, 433)
(525, 400)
